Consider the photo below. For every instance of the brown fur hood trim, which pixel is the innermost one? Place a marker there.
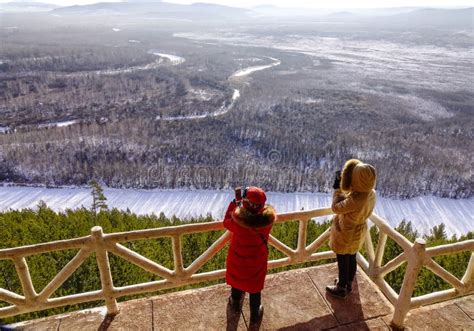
(247, 219)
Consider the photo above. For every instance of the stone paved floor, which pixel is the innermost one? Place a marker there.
(293, 300)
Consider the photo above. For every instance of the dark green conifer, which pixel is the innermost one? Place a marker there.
(98, 197)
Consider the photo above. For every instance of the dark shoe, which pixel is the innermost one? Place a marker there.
(235, 305)
(337, 291)
(256, 317)
(348, 286)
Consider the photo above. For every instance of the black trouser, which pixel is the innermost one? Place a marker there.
(255, 299)
(347, 265)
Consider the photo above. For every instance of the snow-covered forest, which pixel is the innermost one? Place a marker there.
(211, 104)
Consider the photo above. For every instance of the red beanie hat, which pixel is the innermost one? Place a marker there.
(255, 199)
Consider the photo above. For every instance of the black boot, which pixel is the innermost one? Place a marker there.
(256, 316)
(337, 291)
(348, 286)
(235, 305)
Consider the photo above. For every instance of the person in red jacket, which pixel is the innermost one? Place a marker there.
(250, 221)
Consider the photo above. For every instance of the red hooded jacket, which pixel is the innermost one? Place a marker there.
(247, 257)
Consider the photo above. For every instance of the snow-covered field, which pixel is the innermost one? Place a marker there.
(424, 212)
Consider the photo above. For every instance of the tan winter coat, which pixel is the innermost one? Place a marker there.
(352, 204)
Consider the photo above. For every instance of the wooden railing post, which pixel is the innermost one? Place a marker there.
(177, 256)
(415, 263)
(379, 251)
(104, 269)
(302, 238)
(25, 279)
(370, 252)
(468, 278)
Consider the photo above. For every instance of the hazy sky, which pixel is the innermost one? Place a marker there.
(300, 3)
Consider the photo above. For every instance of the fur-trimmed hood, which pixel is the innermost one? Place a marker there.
(358, 176)
(247, 219)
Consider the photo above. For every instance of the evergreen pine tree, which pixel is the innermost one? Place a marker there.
(438, 232)
(98, 197)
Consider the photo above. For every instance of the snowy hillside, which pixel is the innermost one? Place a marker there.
(424, 212)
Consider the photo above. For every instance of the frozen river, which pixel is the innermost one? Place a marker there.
(225, 108)
(249, 70)
(424, 212)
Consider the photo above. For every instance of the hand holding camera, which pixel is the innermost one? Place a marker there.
(238, 195)
(337, 180)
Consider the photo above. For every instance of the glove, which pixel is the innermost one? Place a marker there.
(232, 206)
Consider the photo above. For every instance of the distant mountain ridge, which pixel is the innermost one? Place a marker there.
(196, 11)
(142, 1)
(404, 16)
(26, 6)
(273, 10)
(463, 18)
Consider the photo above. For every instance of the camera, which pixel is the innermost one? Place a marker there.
(238, 194)
(337, 180)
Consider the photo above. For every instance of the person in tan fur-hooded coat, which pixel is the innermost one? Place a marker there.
(353, 202)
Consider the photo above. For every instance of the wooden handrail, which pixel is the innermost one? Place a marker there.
(10, 253)
(417, 256)
(414, 254)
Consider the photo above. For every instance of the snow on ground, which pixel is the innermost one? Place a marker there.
(221, 111)
(424, 212)
(248, 71)
(65, 123)
(58, 124)
(4, 129)
(174, 59)
(201, 94)
(414, 66)
(148, 66)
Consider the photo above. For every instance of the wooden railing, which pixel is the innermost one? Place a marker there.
(415, 254)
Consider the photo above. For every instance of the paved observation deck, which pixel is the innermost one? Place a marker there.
(293, 300)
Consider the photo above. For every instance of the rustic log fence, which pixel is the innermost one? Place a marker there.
(416, 255)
